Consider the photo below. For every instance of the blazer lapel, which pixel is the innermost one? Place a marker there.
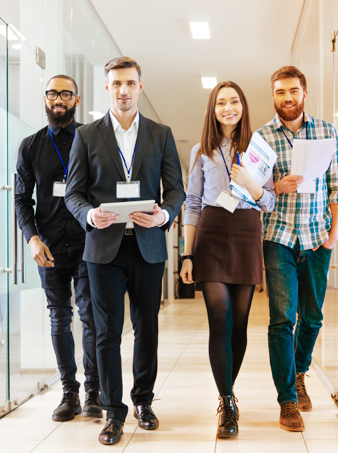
(141, 146)
(108, 134)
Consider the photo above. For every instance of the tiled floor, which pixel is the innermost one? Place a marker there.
(186, 401)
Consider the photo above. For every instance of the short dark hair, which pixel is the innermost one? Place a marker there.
(62, 76)
(287, 72)
(120, 63)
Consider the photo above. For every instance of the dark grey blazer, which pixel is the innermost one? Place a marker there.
(94, 168)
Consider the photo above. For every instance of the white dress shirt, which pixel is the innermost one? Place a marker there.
(126, 141)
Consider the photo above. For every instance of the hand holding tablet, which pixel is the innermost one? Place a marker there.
(124, 210)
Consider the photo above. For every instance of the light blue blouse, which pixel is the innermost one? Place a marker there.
(209, 178)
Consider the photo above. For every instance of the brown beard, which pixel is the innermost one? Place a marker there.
(290, 116)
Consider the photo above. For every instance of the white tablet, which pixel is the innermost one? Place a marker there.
(125, 208)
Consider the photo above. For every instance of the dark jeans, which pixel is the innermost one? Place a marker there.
(297, 281)
(109, 283)
(56, 281)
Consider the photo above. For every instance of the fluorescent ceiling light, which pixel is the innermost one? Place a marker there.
(200, 30)
(11, 35)
(17, 32)
(96, 115)
(209, 82)
(16, 46)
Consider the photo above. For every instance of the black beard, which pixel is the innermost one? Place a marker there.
(290, 116)
(63, 119)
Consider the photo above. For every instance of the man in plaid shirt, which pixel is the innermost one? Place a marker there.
(298, 239)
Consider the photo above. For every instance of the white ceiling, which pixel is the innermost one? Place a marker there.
(250, 39)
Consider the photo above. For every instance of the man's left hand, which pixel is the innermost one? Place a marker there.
(149, 220)
(329, 244)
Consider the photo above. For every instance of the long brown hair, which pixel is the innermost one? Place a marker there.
(212, 132)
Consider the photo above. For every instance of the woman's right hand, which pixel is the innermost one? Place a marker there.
(186, 271)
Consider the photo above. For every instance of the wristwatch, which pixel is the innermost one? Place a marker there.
(186, 257)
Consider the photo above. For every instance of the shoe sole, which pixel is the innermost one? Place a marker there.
(58, 418)
(294, 430)
(226, 436)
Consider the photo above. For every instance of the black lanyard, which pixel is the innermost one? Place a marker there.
(225, 163)
(289, 140)
(65, 169)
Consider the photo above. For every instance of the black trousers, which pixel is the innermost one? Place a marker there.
(109, 283)
(56, 281)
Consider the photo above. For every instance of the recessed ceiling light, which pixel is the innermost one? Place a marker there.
(16, 46)
(209, 82)
(200, 30)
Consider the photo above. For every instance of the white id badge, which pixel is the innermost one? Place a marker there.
(128, 189)
(227, 202)
(59, 189)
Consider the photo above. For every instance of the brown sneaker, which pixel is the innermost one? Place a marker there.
(290, 418)
(304, 402)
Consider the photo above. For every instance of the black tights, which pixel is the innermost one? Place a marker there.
(228, 309)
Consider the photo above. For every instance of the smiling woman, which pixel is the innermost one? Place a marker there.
(227, 244)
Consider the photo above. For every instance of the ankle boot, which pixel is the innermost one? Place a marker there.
(227, 423)
(235, 400)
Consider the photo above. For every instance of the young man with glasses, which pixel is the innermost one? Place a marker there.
(299, 236)
(57, 242)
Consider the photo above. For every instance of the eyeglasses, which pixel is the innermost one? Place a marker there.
(65, 95)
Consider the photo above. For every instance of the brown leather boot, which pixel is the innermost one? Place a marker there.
(227, 423)
(290, 418)
(304, 402)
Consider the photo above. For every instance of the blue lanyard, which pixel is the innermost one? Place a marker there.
(289, 140)
(65, 169)
(225, 163)
(124, 160)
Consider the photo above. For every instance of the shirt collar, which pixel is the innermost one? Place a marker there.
(117, 125)
(70, 128)
(277, 123)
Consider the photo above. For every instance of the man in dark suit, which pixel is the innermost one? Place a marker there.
(125, 147)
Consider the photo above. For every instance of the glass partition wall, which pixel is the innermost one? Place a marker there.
(75, 43)
(312, 53)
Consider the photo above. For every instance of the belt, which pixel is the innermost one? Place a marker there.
(129, 231)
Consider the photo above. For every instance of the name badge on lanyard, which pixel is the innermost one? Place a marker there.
(59, 187)
(128, 189)
(224, 199)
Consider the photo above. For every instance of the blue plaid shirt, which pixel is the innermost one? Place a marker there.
(305, 216)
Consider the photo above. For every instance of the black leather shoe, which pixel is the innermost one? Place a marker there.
(146, 417)
(69, 407)
(112, 432)
(227, 423)
(91, 407)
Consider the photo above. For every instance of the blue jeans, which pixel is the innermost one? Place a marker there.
(296, 281)
(56, 281)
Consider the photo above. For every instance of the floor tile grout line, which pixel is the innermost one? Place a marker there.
(130, 439)
(36, 446)
(305, 443)
(198, 328)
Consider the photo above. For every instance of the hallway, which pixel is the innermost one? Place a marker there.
(185, 401)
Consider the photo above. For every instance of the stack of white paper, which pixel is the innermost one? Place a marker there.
(259, 160)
